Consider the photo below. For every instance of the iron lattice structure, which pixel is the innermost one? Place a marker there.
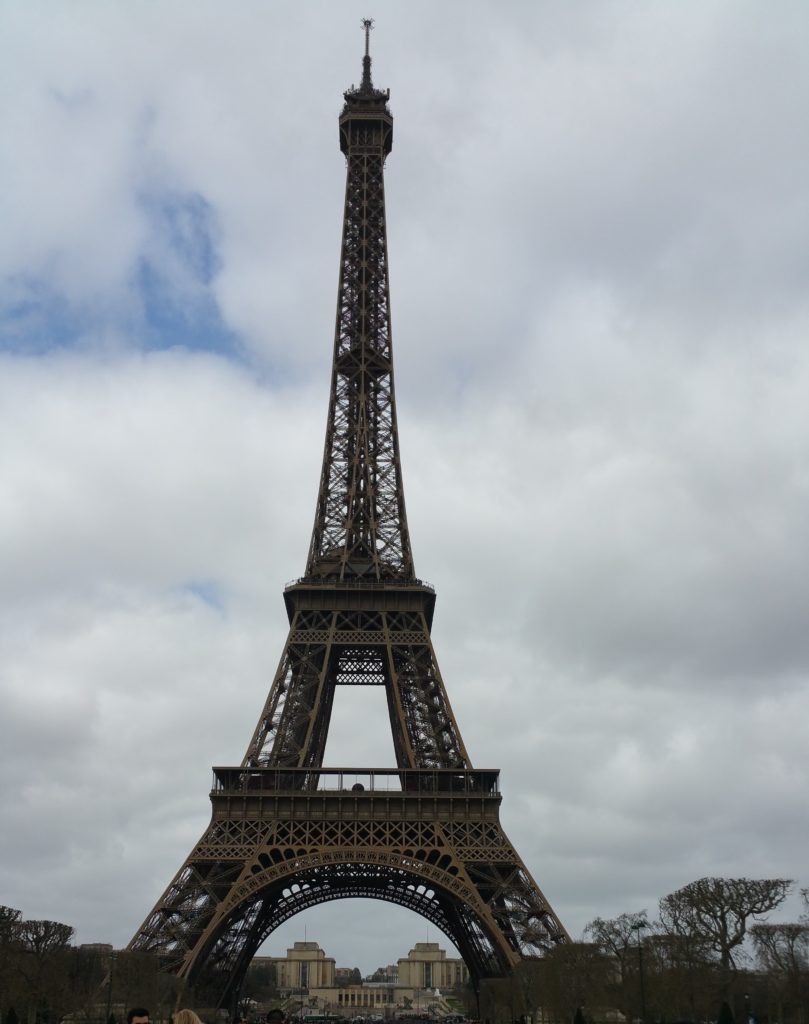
(287, 833)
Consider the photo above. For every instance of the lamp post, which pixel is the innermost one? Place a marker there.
(637, 929)
(113, 956)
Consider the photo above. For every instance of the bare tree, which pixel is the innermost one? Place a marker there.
(782, 947)
(618, 937)
(577, 975)
(783, 952)
(41, 945)
(9, 935)
(43, 937)
(717, 910)
(496, 1000)
(9, 921)
(681, 979)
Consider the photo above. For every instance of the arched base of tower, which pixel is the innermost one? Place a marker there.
(429, 841)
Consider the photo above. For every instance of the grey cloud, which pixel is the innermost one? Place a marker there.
(597, 226)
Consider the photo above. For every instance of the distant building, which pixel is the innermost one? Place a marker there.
(388, 974)
(412, 982)
(305, 966)
(428, 966)
(370, 997)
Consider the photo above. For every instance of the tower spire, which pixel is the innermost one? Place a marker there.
(360, 529)
(367, 85)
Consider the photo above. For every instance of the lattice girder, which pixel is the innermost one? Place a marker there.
(281, 840)
(287, 833)
(360, 526)
(368, 646)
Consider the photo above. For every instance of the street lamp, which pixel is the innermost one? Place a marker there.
(637, 929)
(113, 956)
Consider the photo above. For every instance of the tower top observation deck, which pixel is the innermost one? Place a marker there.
(366, 104)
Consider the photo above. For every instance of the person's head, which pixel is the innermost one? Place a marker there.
(186, 1017)
(137, 1015)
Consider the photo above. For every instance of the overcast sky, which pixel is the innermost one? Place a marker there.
(598, 222)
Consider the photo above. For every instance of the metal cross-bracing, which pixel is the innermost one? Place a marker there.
(360, 529)
(282, 840)
(357, 636)
(287, 832)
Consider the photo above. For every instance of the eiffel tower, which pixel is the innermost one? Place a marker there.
(286, 832)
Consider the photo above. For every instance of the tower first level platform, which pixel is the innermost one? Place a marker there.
(281, 840)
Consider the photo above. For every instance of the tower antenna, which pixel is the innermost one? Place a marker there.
(367, 86)
(367, 24)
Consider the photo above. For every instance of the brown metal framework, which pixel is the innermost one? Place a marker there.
(287, 833)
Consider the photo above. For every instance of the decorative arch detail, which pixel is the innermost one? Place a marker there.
(277, 884)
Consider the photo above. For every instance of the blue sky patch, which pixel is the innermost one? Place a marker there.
(174, 278)
(167, 302)
(37, 318)
(187, 225)
(207, 591)
(191, 320)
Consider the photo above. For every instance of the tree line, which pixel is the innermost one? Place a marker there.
(45, 978)
(709, 955)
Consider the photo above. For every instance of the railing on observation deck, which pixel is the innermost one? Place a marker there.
(358, 781)
(393, 584)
